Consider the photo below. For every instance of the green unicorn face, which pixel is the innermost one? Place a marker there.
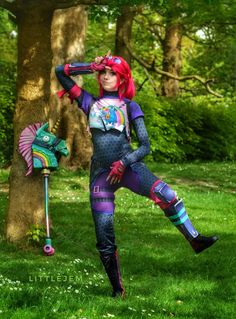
(51, 141)
(47, 148)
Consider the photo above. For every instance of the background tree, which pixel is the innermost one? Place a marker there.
(172, 61)
(68, 38)
(33, 94)
(124, 23)
(167, 25)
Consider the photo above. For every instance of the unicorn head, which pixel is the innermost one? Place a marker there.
(41, 148)
(50, 141)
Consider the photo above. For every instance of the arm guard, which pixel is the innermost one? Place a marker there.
(69, 85)
(83, 68)
(63, 73)
(78, 69)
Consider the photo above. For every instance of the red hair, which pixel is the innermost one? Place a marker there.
(125, 83)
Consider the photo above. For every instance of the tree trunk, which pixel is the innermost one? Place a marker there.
(33, 92)
(124, 31)
(172, 61)
(68, 37)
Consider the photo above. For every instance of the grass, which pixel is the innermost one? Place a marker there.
(162, 276)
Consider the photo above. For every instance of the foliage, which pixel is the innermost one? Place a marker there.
(185, 129)
(7, 105)
(208, 44)
(193, 126)
(8, 37)
(161, 275)
(100, 33)
(7, 84)
(190, 128)
(36, 235)
(112, 9)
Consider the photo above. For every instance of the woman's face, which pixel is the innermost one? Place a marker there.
(108, 80)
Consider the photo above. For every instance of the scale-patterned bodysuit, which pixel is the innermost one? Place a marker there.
(110, 119)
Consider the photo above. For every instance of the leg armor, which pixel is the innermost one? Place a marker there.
(162, 194)
(140, 180)
(173, 208)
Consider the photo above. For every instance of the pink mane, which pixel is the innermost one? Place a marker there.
(25, 143)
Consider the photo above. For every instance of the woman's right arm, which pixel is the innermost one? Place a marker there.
(63, 73)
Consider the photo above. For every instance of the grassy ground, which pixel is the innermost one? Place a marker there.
(162, 276)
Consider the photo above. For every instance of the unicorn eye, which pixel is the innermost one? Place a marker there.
(46, 138)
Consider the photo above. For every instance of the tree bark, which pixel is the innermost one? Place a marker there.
(172, 60)
(124, 31)
(68, 37)
(34, 19)
(33, 92)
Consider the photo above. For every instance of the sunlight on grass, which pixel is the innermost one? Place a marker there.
(162, 276)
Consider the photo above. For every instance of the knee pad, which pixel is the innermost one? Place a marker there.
(102, 201)
(162, 194)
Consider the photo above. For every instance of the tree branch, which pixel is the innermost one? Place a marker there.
(70, 3)
(11, 5)
(152, 82)
(156, 34)
(148, 67)
(188, 90)
(141, 85)
(153, 28)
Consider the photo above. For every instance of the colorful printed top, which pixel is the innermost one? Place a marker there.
(107, 114)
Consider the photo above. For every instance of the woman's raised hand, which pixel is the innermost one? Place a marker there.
(100, 62)
(99, 59)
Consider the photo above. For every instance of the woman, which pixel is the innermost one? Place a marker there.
(114, 163)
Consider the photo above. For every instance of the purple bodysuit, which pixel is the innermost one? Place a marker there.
(110, 120)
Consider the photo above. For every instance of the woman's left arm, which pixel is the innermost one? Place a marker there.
(143, 140)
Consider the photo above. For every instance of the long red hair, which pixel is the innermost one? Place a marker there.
(125, 83)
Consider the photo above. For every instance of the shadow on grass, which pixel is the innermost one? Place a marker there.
(155, 257)
(158, 266)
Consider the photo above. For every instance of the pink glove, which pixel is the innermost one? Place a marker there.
(116, 173)
(100, 62)
(74, 92)
(98, 67)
